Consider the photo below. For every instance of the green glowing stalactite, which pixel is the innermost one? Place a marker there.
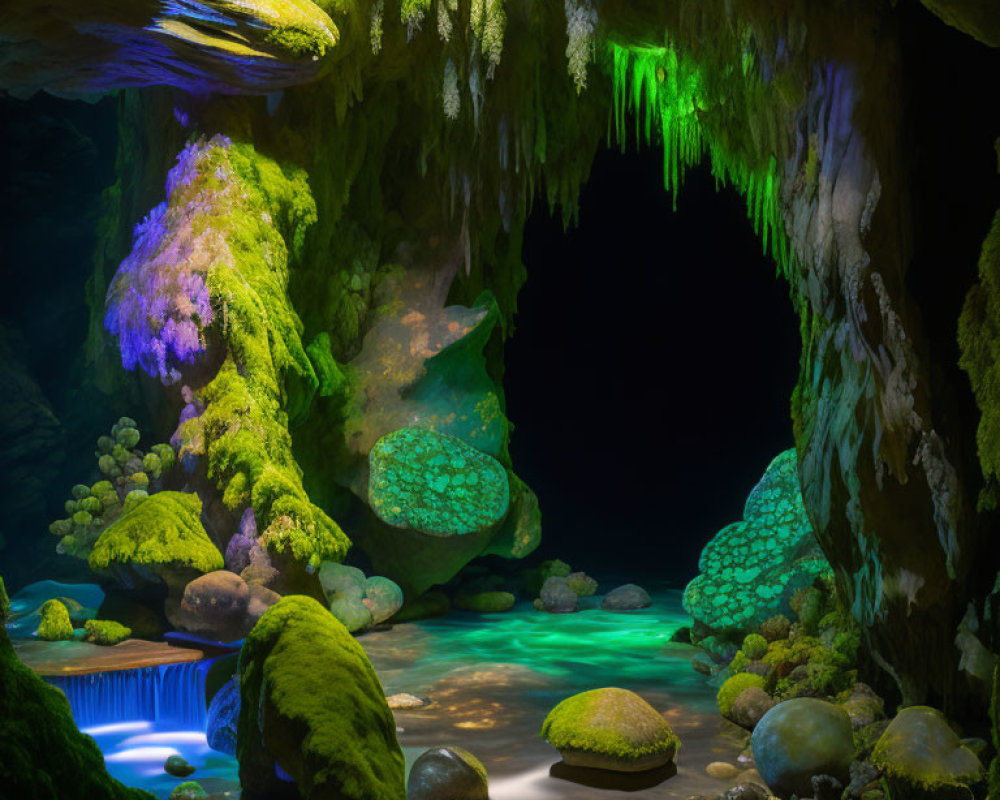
(664, 93)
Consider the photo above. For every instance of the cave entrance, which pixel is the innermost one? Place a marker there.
(650, 374)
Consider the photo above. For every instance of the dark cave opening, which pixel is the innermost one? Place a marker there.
(627, 468)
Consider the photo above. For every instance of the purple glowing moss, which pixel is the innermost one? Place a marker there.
(158, 304)
(239, 547)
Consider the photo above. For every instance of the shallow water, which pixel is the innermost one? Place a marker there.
(491, 680)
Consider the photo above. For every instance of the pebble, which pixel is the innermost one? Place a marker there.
(403, 700)
(721, 770)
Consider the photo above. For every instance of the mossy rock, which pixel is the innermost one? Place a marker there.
(754, 646)
(162, 531)
(105, 632)
(311, 703)
(55, 625)
(924, 759)
(734, 687)
(44, 754)
(612, 729)
(447, 773)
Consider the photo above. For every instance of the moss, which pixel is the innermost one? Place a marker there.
(734, 687)
(599, 722)
(311, 702)
(44, 754)
(485, 602)
(189, 790)
(55, 625)
(755, 646)
(162, 530)
(105, 632)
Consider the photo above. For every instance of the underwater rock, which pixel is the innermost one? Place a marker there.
(447, 773)
(54, 624)
(800, 738)
(189, 790)
(223, 714)
(557, 597)
(628, 597)
(105, 632)
(751, 569)
(924, 759)
(485, 602)
(178, 767)
(311, 703)
(612, 729)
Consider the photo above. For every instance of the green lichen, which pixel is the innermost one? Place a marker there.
(163, 530)
(435, 483)
(105, 632)
(734, 686)
(55, 625)
(311, 701)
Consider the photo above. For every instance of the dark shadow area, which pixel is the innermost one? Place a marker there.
(650, 375)
(615, 781)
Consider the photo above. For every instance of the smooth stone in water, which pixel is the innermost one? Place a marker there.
(405, 701)
(626, 598)
(178, 767)
(721, 770)
(447, 773)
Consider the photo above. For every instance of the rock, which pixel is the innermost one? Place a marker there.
(54, 624)
(733, 687)
(189, 790)
(533, 578)
(223, 715)
(383, 598)
(863, 774)
(447, 773)
(405, 702)
(746, 791)
(611, 729)
(261, 599)
(352, 613)
(215, 606)
(863, 706)
(826, 787)
(760, 668)
(749, 707)
(358, 602)
(105, 632)
(800, 738)
(485, 602)
(557, 597)
(722, 770)
(340, 580)
(581, 583)
(178, 767)
(626, 598)
(922, 757)
(320, 712)
(775, 628)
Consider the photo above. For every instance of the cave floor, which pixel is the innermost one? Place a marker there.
(491, 680)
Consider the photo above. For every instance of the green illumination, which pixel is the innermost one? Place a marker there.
(666, 95)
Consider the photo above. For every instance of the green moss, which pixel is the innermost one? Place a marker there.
(55, 625)
(44, 754)
(311, 701)
(485, 602)
(597, 722)
(162, 530)
(189, 790)
(755, 646)
(734, 687)
(105, 632)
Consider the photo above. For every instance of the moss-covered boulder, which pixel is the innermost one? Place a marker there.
(44, 754)
(54, 625)
(311, 704)
(924, 759)
(733, 687)
(751, 569)
(447, 773)
(611, 729)
(105, 632)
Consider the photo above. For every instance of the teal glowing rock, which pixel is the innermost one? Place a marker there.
(751, 569)
(435, 484)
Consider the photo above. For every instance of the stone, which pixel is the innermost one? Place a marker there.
(341, 580)
(383, 598)
(746, 791)
(612, 729)
(582, 584)
(215, 606)
(863, 706)
(800, 738)
(261, 599)
(405, 702)
(447, 773)
(826, 787)
(557, 597)
(922, 758)
(750, 706)
(178, 767)
(722, 770)
(352, 613)
(626, 598)
(863, 774)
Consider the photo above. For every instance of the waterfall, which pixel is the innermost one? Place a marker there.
(171, 693)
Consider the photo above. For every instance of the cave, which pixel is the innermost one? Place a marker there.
(487, 398)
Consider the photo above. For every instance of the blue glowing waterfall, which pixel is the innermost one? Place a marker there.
(172, 694)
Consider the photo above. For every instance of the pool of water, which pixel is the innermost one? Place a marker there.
(490, 680)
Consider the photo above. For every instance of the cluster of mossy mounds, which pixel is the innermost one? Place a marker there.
(311, 705)
(751, 570)
(358, 602)
(611, 729)
(555, 587)
(44, 754)
(55, 624)
(129, 474)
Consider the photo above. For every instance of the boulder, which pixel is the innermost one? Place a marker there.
(800, 738)
(612, 729)
(749, 707)
(447, 773)
(215, 605)
(923, 758)
(383, 598)
(557, 597)
(626, 598)
(54, 624)
(178, 767)
(105, 632)
(582, 584)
